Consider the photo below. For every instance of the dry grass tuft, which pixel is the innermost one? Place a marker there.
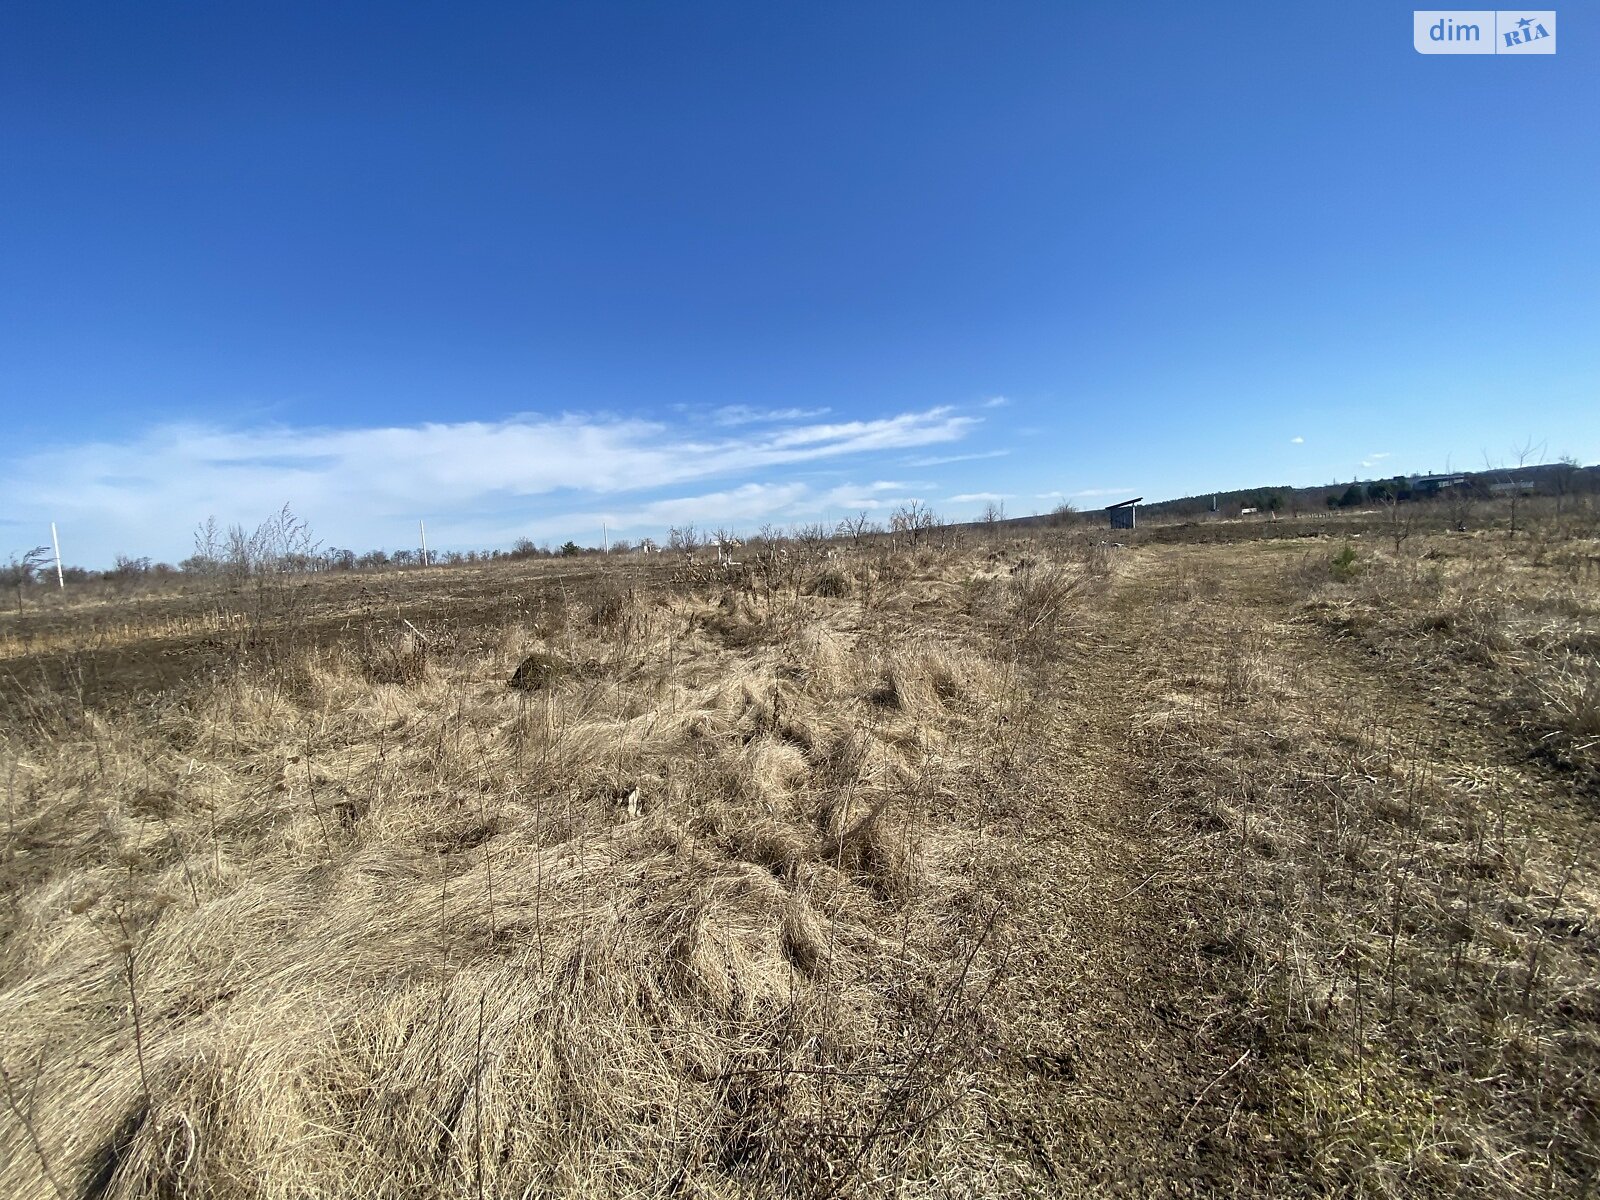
(537, 671)
(400, 658)
(830, 583)
(363, 921)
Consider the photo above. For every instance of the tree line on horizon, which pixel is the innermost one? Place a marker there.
(284, 544)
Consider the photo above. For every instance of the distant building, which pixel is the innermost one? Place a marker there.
(1122, 515)
(1437, 483)
(1512, 487)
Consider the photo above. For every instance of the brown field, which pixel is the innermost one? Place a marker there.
(1218, 864)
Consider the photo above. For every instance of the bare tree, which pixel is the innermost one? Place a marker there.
(683, 537)
(1399, 518)
(915, 519)
(993, 513)
(1525, 454)
(857, 527)
(811, 537)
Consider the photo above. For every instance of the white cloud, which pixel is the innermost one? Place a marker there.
(980, 497)
(1297, 441)
(472, 480)
(750, 502)
(878, 496)
(743, 414)
(1102, 491)
(943, 460)
(996, 402)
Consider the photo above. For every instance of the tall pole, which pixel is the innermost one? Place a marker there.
(423, 530)
(56, 542)
(605, 539)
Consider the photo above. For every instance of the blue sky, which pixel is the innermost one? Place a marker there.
(527, 268)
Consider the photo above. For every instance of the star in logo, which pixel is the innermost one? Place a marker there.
(1525, 22)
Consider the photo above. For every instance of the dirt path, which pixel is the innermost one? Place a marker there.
(1115, 1077)
(1239, 812)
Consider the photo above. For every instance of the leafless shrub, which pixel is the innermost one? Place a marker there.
(281, 544)
(20, 572)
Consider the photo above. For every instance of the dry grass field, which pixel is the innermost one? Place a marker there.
(1254, 867)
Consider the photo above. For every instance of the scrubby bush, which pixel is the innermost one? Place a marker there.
(1344, 565)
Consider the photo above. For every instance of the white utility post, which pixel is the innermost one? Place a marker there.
(605, 539)
(61, 581)
(423, 530)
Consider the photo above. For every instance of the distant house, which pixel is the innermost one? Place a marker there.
(1437, 483)
(1512, 487)
(1122, 515)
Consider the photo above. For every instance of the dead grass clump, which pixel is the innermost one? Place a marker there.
(864, 841)
(1191, 583)
(805, 937)
(1244, 671)
(780, 845)
(1475, 625)
(830, 583)
(612, 607)
(538, 671)
(739, 623)
(1042, 601)
(1561, 704)
(768, 768)
(392, 657)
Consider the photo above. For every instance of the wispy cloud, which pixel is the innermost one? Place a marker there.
(736, 506)
(743, 414)
(473, 480)
(1297, 441)
(871, 496)
(1102, 491)
(996, 402)
(980, 497)
(944, 459)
